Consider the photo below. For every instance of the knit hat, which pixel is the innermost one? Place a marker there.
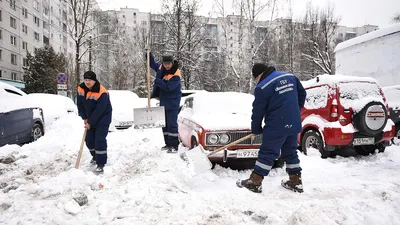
(167, 59)
(258, 69)
(90, 75)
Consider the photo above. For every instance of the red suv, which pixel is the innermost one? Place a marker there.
(342, 111)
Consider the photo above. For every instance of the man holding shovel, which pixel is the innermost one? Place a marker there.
(167, 87)
(279, 97)
(94, 107)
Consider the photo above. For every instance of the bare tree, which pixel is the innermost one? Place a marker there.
(82, 28)
(318, 29)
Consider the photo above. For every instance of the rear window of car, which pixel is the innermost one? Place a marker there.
(317, 97)
(352, 92)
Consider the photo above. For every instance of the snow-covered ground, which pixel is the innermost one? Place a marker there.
(143, 185)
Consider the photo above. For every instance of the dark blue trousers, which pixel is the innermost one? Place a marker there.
(96, 142)
(170, 131)
(271, 148)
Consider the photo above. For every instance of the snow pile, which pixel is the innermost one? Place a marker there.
(220, 110)
(7, 89)
(10, 103)
(143, 185)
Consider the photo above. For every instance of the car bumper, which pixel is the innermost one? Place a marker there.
(334, 137)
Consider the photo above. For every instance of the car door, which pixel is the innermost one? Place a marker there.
(184, 127)
(16, 126)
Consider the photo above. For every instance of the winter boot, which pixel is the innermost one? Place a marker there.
(165, 148)
(253, 183)
(293, 183)
(100, 168)
(92, 162)
(172, 150)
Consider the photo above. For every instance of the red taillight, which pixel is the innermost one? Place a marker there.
(334, 111)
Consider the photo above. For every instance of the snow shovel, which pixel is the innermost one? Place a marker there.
(78, 160)
(198, 157)
(150, 117)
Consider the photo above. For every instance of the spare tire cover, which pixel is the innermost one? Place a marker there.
(371, 119)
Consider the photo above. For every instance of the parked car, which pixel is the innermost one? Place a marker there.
(215, 119)
(20, 120)
(343, 111)
(186, 94)
(392, 94)
(123, 102)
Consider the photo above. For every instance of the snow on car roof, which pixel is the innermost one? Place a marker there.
(334, 79)
(367, 37)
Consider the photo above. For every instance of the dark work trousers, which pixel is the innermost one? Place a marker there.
(96, 142)
(272, 148)
(170, 131)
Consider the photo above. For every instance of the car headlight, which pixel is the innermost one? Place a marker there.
(212, 139)
(224, 139)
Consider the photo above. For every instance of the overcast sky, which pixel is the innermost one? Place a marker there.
(352, 12)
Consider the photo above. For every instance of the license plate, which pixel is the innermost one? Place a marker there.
(129, 123)
(364, 141)
(247, 153)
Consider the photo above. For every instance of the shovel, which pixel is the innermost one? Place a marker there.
(150, 117)
(78, 160)
(198, 157)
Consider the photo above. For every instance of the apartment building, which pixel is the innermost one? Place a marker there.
(26, 25)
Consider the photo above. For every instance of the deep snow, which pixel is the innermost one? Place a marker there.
(143, 185)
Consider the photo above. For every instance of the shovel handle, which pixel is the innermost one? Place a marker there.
(148, 75)
(231, 144)
(78, 160)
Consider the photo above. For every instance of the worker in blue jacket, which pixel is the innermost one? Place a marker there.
(95, 108)
(279, 97)
(167, 87)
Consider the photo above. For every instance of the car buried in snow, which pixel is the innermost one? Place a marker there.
(21, 121)
(345, 111)
(215, 119)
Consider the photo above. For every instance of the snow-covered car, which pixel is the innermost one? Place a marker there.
(186, 94)
(215, 119)
(392, 94)
(21, 121)
(123, 102)
(54, 106)
(343, 111)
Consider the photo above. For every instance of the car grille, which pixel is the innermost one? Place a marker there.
(236, 136)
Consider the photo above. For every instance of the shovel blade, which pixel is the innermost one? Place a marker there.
(152, 117)
(198, 160)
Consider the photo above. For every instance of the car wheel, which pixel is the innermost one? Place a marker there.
(312, 139)
(37, 132)
(193, 143)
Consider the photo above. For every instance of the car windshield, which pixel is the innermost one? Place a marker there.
(352, 92)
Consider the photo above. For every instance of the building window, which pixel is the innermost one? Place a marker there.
(46, 11)
(36, 5)
(12, 4)
(13, 22)
(1, 34)
(45, 25)
(1, 73)
(13, 40)
(1, 17)
(37, 21)
(37, 36)
(25, 62)
(13, 59)
(25, 12)
(24, 29)
(1, 53)
(14, 76)
(25, 45)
